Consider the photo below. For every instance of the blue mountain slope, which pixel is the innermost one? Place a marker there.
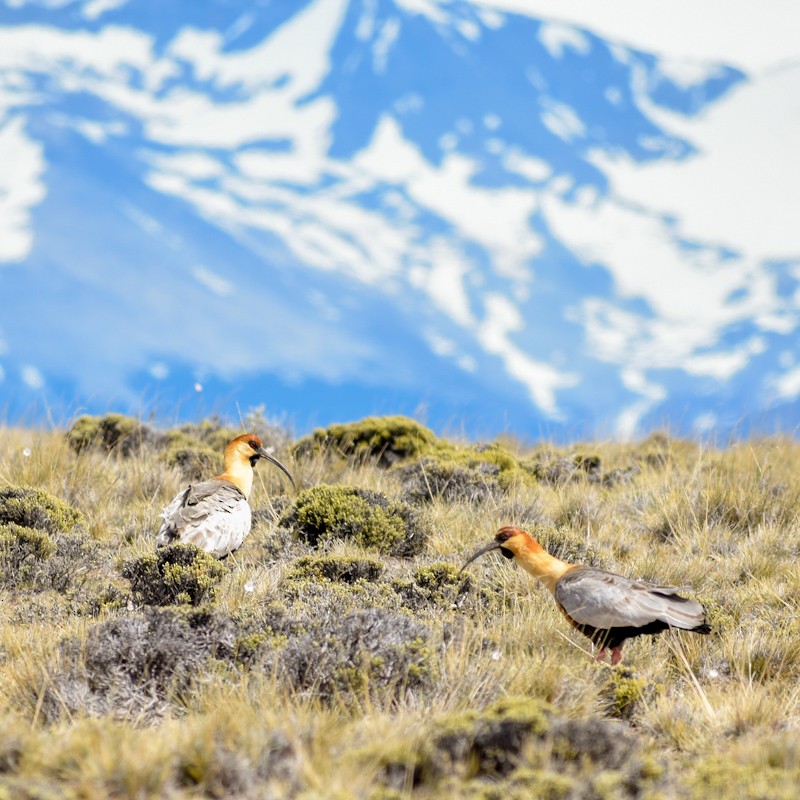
(342, 208)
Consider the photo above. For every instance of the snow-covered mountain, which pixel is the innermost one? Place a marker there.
(474, 212)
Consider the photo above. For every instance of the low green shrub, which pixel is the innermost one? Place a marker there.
(345, 569)
(178, 574)
(449, 481)
(310, 600)
(32, 559)
(195, 463)
(501, 751)
(36, 508)
(324, 513)
(551, 468)
(432, 587)
(22, 550)
(384, 440)
(116, 432)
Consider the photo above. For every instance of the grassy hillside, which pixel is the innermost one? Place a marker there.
(340, 654)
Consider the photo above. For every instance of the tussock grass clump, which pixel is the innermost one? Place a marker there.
(449, 481)
(174, 575)
(35, 508)
(753, 770)
(218, 772)
(384, 440)
(346, 569)
(516, 745)
(731, 497)
(133, 666)
(116, 432)
(22, 550)
(373, 653)
(434, 587)
(209, 768)
(325, 513)
(554, 469)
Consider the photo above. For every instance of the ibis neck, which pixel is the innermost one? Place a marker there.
(545, 568)
(240, 474)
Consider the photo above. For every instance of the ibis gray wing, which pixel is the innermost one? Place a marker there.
(214, 515)
(215, 494)
(605, 600)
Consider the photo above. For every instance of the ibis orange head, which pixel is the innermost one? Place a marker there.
(510, 541)
(247, 449)
(517, 544)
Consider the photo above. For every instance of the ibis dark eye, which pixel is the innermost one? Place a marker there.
(254, 445)
(503, 537)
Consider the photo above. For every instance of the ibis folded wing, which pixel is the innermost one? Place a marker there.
(605, 600)
(213, 515)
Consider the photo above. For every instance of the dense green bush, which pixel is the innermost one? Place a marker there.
(112, 432)
(386, 440)
(324, 513)
(36, 508)
(174, 575)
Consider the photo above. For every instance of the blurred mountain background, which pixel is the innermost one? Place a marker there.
(559, 219)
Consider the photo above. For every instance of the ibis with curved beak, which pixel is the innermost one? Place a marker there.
(607, 608)
(214, 515)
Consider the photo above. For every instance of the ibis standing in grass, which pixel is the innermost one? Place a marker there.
(214, 515)
(606, 607)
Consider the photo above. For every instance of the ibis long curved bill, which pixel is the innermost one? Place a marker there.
(264, 453)
(494, 545)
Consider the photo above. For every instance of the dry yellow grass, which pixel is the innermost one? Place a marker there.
(702, 717)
